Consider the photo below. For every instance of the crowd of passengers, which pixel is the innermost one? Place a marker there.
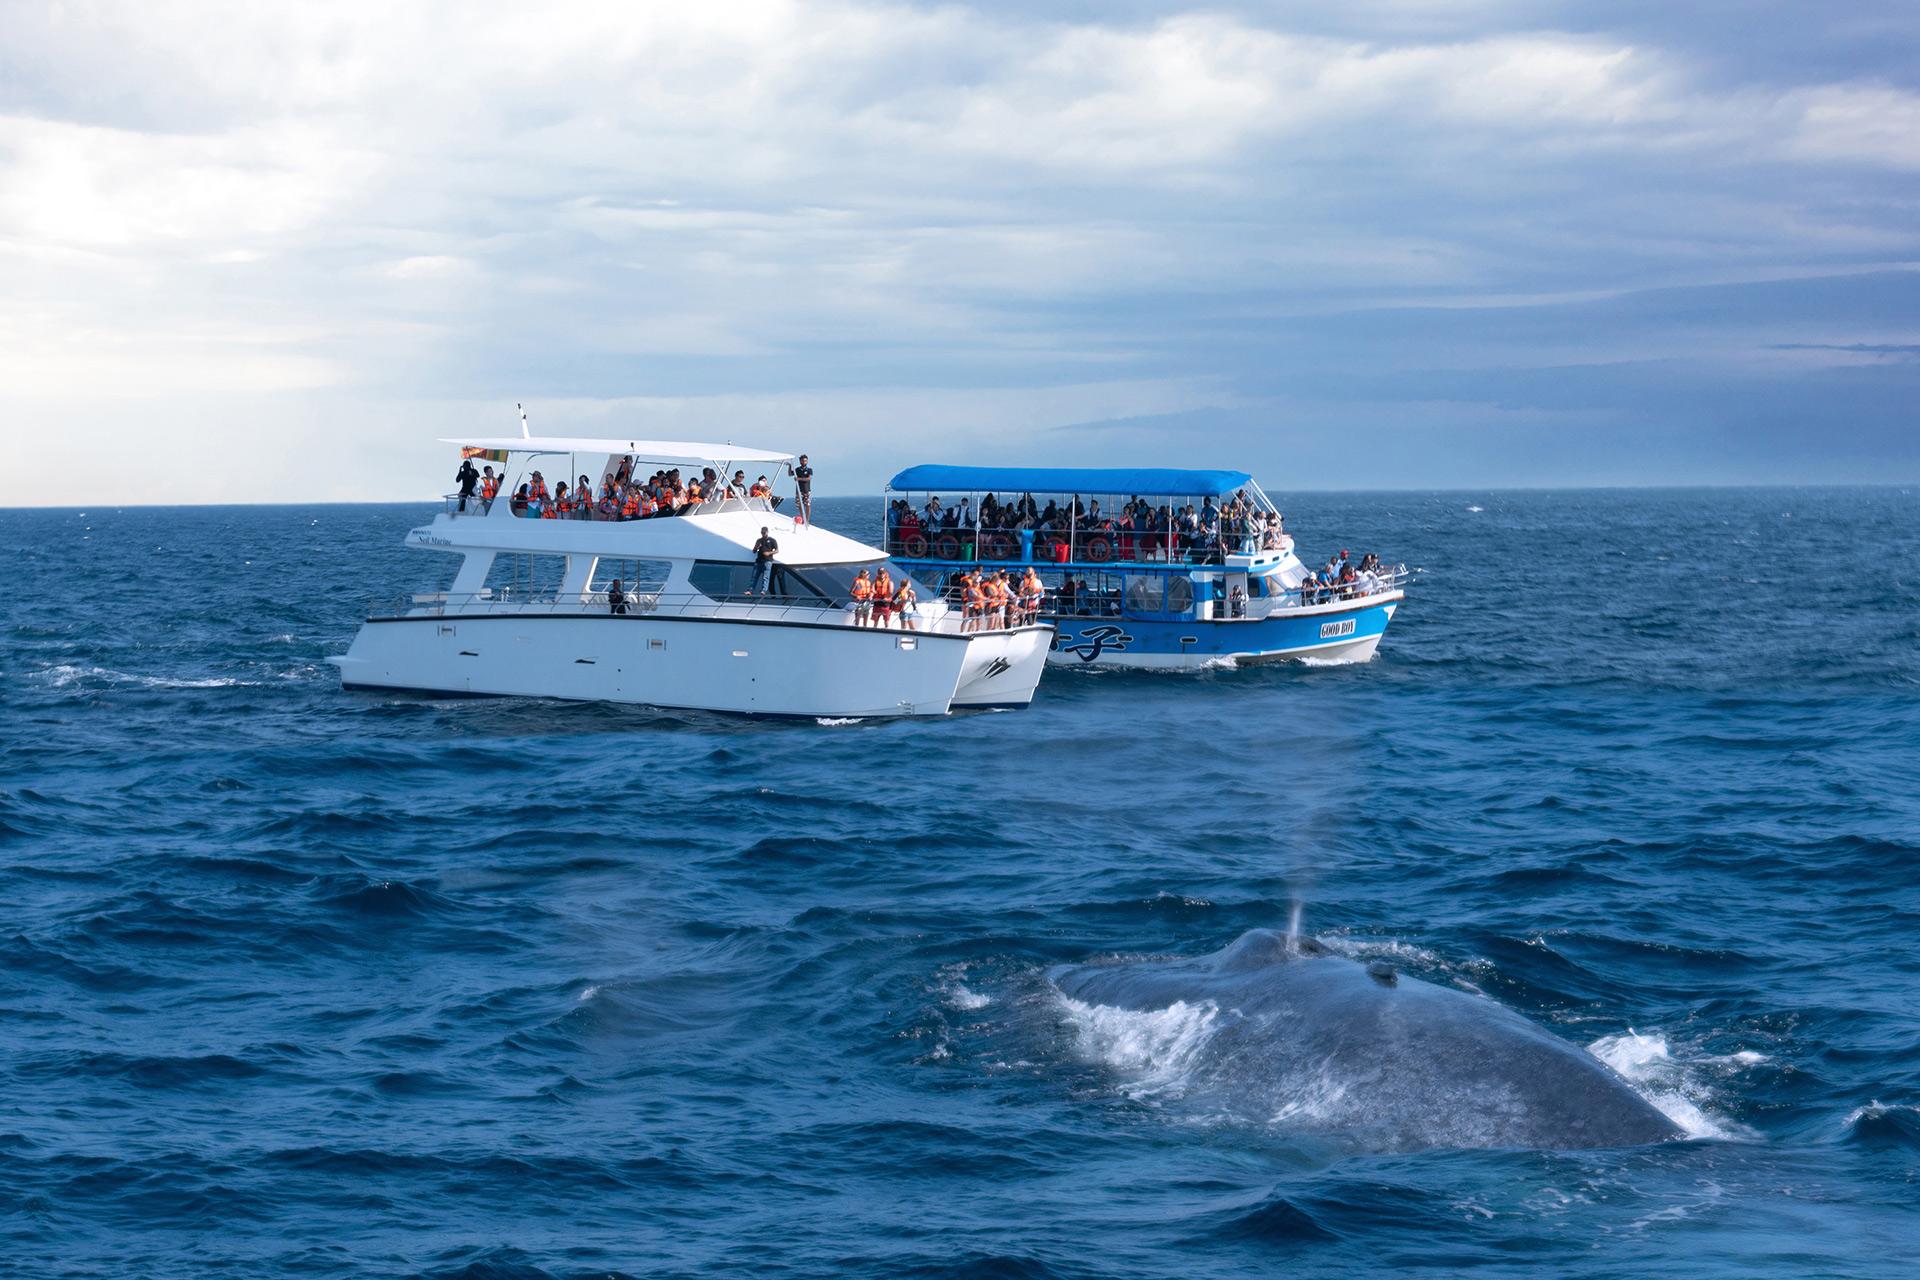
(1342, 578)
(987, 601)
(621, 496)
(1137, 529)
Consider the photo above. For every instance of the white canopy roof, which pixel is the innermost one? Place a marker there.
(670, 453)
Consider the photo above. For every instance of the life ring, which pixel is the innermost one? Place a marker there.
(996, 546)
(946, 547)
(1046, 549)
(914, 545)
(1098, 549)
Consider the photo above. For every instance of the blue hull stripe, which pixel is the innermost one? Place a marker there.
(1098, 639)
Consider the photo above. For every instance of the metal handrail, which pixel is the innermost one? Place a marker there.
(931, 616)
(476, 505)
(1111, 604)
(1085, 546)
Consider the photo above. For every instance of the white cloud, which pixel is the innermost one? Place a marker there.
(221, 199)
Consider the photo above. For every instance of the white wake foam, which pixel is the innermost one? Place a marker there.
(1155, 1050)
(961, 998)
(1648, 1064)
(62, 676)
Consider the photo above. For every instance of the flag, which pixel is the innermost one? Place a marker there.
(491, 455)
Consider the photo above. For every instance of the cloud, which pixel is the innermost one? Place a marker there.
(989, 211)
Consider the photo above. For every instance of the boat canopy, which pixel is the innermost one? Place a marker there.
(1156, 482)
(668, 453)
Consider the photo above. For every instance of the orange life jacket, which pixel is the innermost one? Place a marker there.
(862, 589)
(489, 488)
(547, 513)
(759, 490)
(538, 489)
(883, 587)
(631, 507)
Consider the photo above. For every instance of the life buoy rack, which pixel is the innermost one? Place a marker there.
(1098, 549)
(913, 546)
(946, 547)
(996, 546)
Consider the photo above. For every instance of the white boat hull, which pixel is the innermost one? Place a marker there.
(757, 668)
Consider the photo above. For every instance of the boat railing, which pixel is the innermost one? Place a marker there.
(1079, 545)
(928, 617)
(475, 505)
(1111, 603)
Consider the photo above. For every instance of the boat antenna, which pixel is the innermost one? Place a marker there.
(524, 435)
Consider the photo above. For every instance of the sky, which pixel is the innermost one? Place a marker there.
(274, 252)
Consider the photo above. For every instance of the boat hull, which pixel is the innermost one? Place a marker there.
(1328, 633)
(707, 664)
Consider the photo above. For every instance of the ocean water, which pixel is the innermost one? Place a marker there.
(299, 982)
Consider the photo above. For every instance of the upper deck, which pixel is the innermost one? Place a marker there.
(1091, 518)
(641, 502)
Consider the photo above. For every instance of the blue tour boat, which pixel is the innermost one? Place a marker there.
(1141, 567)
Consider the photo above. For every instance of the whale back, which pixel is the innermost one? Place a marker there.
(1296, 1035)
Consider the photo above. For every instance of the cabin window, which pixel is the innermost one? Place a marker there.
(634, 575)
(834, 582)
(1146, 594)
(727, 579)
(524, 577)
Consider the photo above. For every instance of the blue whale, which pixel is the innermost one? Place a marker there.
(1312, 1042)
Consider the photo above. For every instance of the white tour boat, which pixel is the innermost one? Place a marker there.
(533, 610)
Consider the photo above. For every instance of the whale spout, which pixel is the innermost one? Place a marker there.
(1299, 1037)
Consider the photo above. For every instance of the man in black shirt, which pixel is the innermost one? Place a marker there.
(803, 486)
(763, 554)
(468, 478)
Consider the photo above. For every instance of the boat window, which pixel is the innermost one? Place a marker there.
(1145, 593)
(835, 581)
(525, 575)
(1179, 595)
(634, 575)
(726, 579)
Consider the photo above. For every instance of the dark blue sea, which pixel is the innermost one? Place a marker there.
(295, 982)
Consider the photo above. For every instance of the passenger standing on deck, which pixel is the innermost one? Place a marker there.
(489, 489)
(803, 490)
(616, 598)
(862, 593)
(763, 552)
(882, 598)
(906, 603)
(469, 480)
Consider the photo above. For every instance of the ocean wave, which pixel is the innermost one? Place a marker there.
(1883, 1127)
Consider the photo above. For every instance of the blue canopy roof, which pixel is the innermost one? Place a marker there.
(1159, 482)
